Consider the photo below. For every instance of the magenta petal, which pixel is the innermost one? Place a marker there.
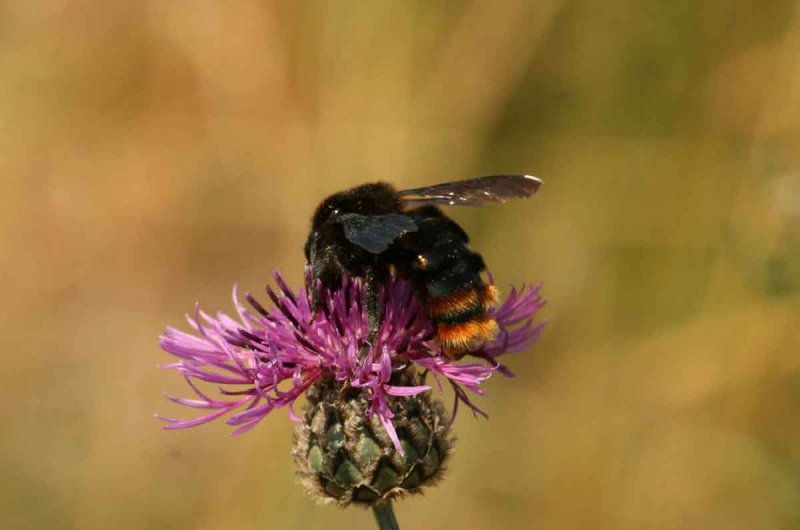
(405, 391)
(183, 424)
(387, 425)
(193, 403)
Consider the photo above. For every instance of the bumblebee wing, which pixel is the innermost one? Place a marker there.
(474, 192)
(374, 233)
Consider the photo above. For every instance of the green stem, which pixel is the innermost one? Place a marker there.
(384, 514)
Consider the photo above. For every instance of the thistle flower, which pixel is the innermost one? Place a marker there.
(370, 430)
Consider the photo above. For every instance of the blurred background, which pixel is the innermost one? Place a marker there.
(154, 153)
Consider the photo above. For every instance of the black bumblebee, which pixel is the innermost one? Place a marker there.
(368, 230)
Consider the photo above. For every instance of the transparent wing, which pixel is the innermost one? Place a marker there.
(474, 192)
(374, 233)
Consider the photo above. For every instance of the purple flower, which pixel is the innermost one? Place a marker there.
(268, 357)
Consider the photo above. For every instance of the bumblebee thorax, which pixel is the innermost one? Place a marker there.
(368, 199)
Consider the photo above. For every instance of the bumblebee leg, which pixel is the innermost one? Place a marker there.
(374, 278)
(328, 273)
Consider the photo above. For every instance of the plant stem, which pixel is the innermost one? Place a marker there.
(384, 514)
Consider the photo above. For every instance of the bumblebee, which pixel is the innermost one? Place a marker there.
(373, 229)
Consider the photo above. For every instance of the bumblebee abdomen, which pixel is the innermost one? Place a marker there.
(462, 320)
(458, 301)
(458, 340)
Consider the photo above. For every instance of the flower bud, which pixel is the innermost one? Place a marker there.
(345, 455)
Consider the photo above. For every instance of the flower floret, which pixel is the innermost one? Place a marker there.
(268, 357)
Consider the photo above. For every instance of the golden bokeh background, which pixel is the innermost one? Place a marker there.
(153, 153)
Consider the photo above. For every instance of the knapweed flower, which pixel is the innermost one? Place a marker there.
(370, 430)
